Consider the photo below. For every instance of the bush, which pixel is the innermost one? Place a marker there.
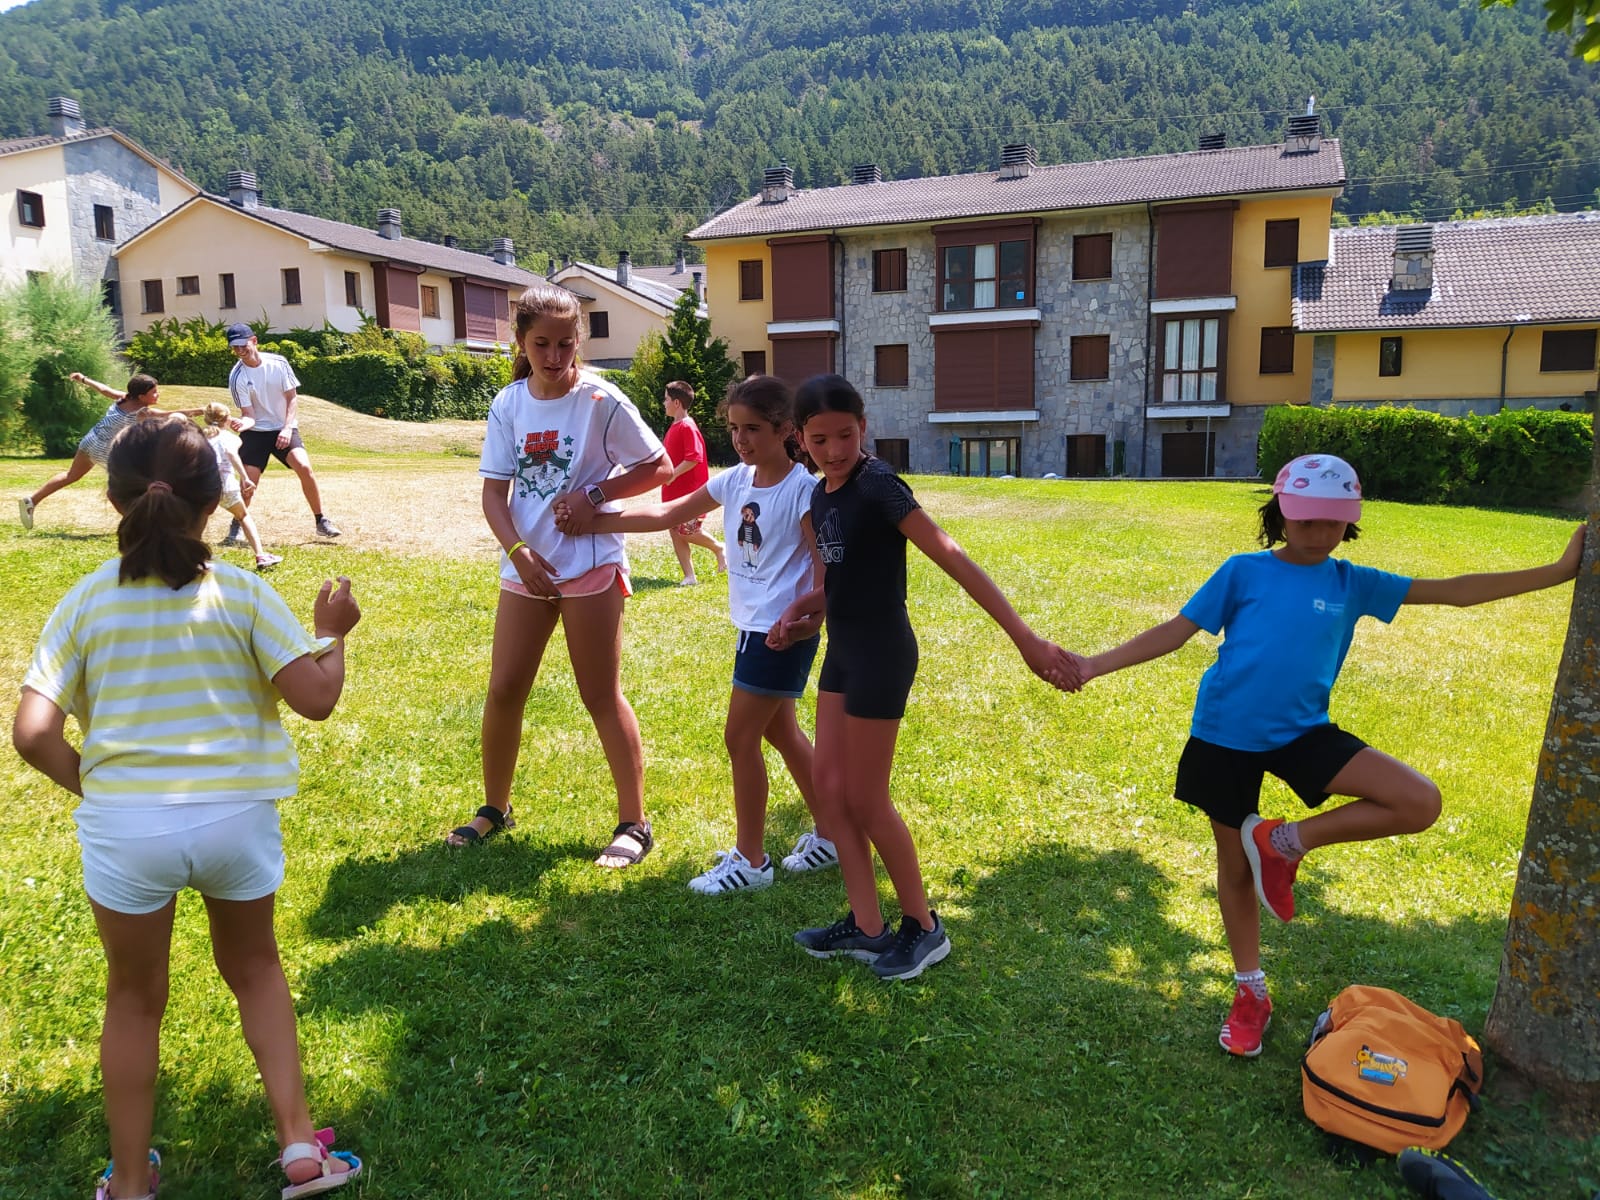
(1521, 456)
(65, 328)
(190, 352)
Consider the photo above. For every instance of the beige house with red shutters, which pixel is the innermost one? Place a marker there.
(232, 258)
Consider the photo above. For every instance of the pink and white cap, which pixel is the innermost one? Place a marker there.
(1318, 487)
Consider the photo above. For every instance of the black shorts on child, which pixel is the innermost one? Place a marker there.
(1225, 784)
(763, 671)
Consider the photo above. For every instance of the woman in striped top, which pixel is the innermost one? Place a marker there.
(173, 665)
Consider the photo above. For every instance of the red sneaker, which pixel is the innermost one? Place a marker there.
(1247, 1021)
(1274, 874)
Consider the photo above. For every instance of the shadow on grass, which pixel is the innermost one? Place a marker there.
(692, 1038)
(360, 891)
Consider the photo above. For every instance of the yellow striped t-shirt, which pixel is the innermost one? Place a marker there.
(173, 689)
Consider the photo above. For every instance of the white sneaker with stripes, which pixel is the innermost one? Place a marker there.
(812, 852)
(732, 873)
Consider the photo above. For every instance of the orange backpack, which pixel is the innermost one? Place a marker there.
(1387, 1073)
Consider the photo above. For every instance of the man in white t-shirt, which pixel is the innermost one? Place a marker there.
(264, 387)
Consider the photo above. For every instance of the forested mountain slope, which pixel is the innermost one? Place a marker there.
(586, 128)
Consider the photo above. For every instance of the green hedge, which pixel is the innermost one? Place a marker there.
(375, 371)
(1519, 456)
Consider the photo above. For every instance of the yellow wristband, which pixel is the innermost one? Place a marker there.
(515, 548)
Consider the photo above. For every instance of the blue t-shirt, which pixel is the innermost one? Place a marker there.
(1286, 629)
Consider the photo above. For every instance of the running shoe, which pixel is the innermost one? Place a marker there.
(326, 528)
(263, 561)
(1274, 874)
(732, 873)
(1247, 1022)
(235, 538)
(844, 937)
(812, 852)
(1438, 1176)
(915, 949)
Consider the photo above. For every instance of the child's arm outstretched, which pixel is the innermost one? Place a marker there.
(1044, 658)
(39, 734)
(647, 518)
(1464, 590)
(311, 684)
(1152, 643)
(105, 390)
(647, 476)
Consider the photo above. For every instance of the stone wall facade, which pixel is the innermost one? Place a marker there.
(1115, 308)
(103, 171)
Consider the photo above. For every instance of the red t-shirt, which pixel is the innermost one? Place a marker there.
(684, 441)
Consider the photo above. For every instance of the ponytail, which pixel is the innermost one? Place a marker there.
(164, 481)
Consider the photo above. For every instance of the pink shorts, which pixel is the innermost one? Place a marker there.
(590, 583)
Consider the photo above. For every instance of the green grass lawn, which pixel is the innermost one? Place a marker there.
(511, 1021)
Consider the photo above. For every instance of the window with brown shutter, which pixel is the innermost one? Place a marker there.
(1277, 350)
(1567, 350)
(750, 279)
(105, 223)
(892, 365)
(889, 270)
(352, 289)
(896, 452)
(1086, 454)
(30, 209)
(1091, 256)
(188, 285)
(755, 362)
(430, 300)
(1283, 244)
(600, 324)
(225, 290)
(1091, 357)
(153, 299)
(291, 285)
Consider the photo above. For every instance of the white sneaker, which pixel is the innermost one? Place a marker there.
(732, 873)
(263, 561)
(812, 852)
(25, 507)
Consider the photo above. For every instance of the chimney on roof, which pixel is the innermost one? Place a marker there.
(242, 189)
(389, 223)
(699, 278)
(777, 184)
(1304, 135)
(450, 241)
(566, 260)
(682, 263)
(1413, 259)
(1213, 141)
(503, 252)
(66, 118)
(866, 173)
(624, 268)
(1017, 160)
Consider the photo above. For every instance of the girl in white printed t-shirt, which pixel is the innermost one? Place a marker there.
(173, 666)
(772, 493)
(221, 429)
(559, 432)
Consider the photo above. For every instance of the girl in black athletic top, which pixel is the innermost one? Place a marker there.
(863, 515)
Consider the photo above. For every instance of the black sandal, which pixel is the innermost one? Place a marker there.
(639, 831)
(498, 821)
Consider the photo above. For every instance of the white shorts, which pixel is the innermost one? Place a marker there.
(237, 858)
(231, 497)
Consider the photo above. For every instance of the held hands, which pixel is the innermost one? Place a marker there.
(574, 514)
(785, 632)
(1051, 663)
(335, 612)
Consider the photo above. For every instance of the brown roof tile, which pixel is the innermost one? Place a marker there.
(1194, 174)
(1508, 270)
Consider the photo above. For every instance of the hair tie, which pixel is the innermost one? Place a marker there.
(159, 485)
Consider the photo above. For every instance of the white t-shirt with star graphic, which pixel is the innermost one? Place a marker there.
(546, 448)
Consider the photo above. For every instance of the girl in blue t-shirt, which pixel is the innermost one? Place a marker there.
(1288, 614)
(772, 492)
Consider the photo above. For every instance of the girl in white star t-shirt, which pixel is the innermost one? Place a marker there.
(557, 431)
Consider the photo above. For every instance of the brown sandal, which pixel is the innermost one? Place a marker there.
(639, 834)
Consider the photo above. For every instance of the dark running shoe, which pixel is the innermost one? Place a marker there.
(326, 528)
(915, 949)
(1438, 1176)
(844, 937)
(235, 537)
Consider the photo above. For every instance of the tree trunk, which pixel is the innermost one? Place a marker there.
(1545, 1019)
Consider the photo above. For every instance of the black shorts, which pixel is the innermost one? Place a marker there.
(1226, 784)
(258, 445)
(873, 671)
